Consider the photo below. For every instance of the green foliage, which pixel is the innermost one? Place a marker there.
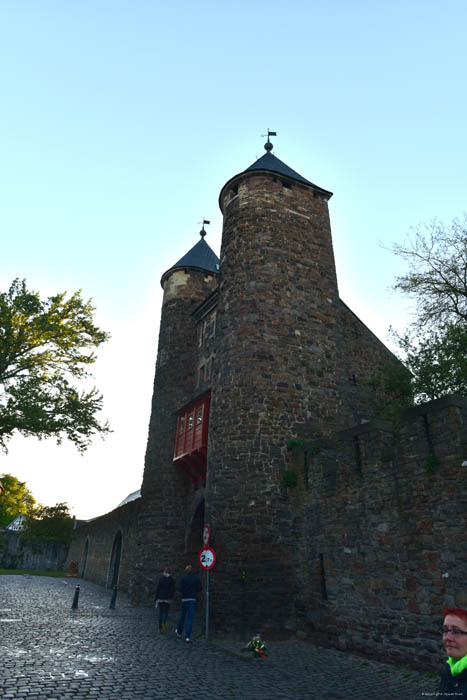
(435, 345)
(437, 362)
(313, 448)
(431, 463)
(437, 273)
(290, 479)
(16, 498)
(293, 443)
(394, 392)
(257, 647)
(49, 524)
(44, 347)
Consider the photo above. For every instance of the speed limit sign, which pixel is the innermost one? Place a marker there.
(207, 558)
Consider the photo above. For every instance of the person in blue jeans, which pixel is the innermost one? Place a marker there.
(189, 586)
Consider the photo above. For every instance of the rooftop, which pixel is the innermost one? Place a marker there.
(272, 164)
(201, 257)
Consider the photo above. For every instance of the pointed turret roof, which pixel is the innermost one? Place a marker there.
(272, 164)
(200, 257)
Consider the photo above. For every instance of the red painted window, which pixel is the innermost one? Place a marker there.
(192, 428)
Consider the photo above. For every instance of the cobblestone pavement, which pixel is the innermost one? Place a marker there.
(50, 652)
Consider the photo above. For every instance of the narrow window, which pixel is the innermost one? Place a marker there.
(182, 426)
(324, 592)
(199, 416)
(190, 422)
(426, 426)
(358, 453)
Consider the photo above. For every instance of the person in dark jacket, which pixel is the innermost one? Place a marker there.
(189, 586)
(454, 679)
(164, 594)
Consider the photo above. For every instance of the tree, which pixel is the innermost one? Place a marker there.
(437, 362)
(49, 524)
(435, 344)
(437, 275)
(44, 346)
(15, 498)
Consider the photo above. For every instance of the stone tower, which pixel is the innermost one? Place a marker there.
(279, 375)
(165, 489)
(255, 350)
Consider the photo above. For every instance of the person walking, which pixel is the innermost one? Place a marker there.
(189, 586)
(454, 679)
(164, 594)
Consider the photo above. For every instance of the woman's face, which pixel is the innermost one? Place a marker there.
(455, 644)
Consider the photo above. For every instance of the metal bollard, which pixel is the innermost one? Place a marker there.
(75, 599)
(114, 598)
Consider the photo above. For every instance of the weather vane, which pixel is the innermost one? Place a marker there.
(268, 145)
(202, 233)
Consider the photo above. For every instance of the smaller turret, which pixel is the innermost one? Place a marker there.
(186, 285)
(200, 257)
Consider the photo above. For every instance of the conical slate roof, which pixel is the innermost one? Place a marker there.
(201, 256)
(272, 164)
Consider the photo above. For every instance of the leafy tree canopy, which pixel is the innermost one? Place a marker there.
(45, 345)
(49, 524)
(15, 498)
(435, 344)
(437, 275)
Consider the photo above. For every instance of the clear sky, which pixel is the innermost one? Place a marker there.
(122, 120)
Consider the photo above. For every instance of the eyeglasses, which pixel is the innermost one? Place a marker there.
(453, 630)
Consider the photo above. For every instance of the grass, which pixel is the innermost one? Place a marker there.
(28, 572)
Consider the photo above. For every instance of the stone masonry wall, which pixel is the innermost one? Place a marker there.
(100, 534)
(366, 359)
(383, 542)
(278, 374)
(15, 553)
(206, 348)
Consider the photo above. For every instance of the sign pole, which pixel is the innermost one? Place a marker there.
(207, 559)
(207, 604)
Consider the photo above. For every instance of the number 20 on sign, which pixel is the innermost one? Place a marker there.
(207, 558)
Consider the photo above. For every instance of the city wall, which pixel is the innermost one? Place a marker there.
(15, 553)
(372, 537)
(383, 511)
(105, 546)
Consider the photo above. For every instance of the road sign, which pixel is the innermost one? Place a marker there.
(206, 534)
(207, 558)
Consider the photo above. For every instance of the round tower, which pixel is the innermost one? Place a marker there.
(278, 374)
(161, 526)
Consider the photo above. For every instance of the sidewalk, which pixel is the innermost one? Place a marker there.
(50, 652)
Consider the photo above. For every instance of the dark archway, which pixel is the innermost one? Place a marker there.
(114, 568)
(84, 558)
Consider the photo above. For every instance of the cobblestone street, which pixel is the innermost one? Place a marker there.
(49, 651)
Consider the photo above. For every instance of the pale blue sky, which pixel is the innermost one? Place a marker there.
(121, 122)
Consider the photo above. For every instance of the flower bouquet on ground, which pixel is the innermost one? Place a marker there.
(256, 646)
